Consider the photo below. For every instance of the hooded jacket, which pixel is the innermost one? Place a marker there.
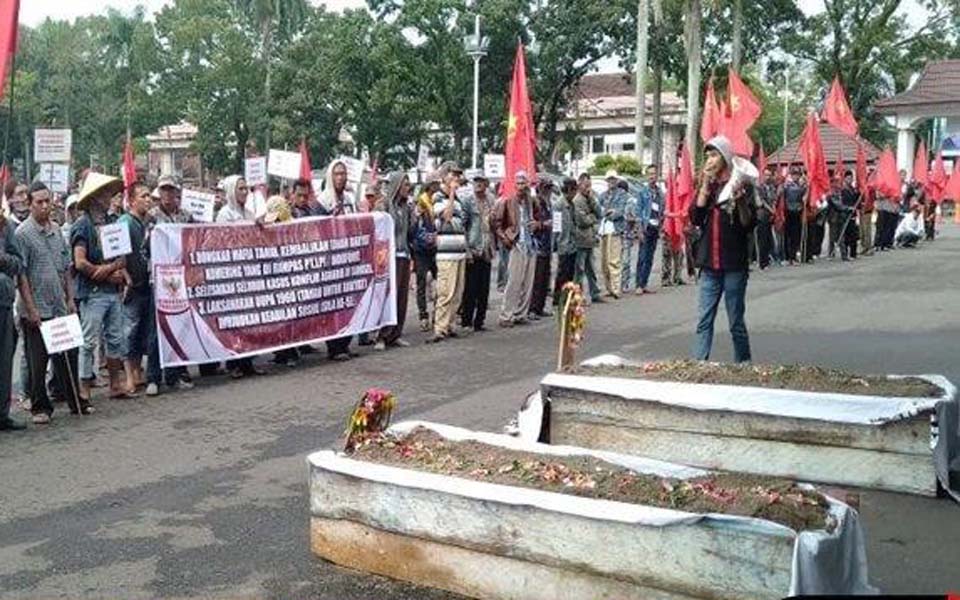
(401, 212)
(336, 207)
(232, 212)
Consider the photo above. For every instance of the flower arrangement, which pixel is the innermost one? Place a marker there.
(370, 418)
(574, 314)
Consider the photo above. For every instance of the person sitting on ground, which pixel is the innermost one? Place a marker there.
(910, 229)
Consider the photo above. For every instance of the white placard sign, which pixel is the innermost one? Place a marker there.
(199, 205)
(557, 221)
(354, 166)
(55, 176)
(423, 159)
(255, 170)
(115, 240)
(62, 334)
(494, 166)
(283, 164)
(52, 145)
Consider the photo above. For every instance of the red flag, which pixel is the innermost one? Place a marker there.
(674, 214)
(839, 168)
(920, 164)
(886, 177)
(814, 161)
(952, 190)
(762, 161)
(861, 168)
(4, 175)
(521, 135)
(306, 171)
(710, 125)
(129, 166)
(9, 16)
(685, 182)
(937, 180)
(837, 112)
(745, 109)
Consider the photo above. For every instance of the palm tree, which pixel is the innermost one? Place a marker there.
(273, 18)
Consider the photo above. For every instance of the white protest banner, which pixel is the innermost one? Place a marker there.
(62, 334)
(557, 221)
(229, 291)
(52, 145)
(283, 164)
(255, 170)
(355, 168)
(423, 159)
(494, 166)
(55, 176)
(199, 205)
(115, 240)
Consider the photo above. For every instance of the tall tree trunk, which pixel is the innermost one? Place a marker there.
(656, 146)
(267, 27)
(736, 50)
(694, 50)
(643, 43)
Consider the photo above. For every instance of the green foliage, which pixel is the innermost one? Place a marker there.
(623, 164)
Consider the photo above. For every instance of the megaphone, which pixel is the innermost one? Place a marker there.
(742, 172)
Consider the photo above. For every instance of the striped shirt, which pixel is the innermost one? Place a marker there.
(45, 260)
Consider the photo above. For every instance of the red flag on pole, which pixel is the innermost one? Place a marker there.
(521, 135)
(745, 109)
(937, 180)
(674, 214)
(952, 190)
(306, 171)
(839, 168)
(886, 177)
(920, 164)
(710, 125)
(129, 166)
(861, 169)
(762, 161)
(837, 112)
(9, 16)
(811, 149)
(685, 185)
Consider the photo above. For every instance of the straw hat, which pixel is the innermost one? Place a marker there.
(95, 184)
(278, 210)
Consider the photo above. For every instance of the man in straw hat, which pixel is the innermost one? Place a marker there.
(98, 283)
(722, 253)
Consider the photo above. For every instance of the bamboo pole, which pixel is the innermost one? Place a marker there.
(564, 318)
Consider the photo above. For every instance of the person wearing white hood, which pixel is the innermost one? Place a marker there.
(236, 210)
(336, 201)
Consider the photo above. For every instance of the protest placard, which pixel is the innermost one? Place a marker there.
(115, 240)
(283, 164)
(225, 292)
(62, 334)
(557, 221)
(199, 204)
(355, 168)
(255, 170)
(494, 166)
(424, 163)
(52, 145)
(55, 176)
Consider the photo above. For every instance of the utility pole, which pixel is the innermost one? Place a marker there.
(477, 49)
(643, 39)
(786, 105)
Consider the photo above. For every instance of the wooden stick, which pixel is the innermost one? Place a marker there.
(564, 316)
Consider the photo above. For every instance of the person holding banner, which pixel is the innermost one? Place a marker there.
(11, 263)
(396, 203)
(336, 201)
(98, 282)
(46, 292)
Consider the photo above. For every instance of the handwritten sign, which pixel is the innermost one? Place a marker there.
(199, 205)
(255, 170)
(62, 334)
(52, 145)
(494, 166)
(55, 176)
(557, 221)
(423, 159)
(355, 168)
(283, 164)
(115, 240)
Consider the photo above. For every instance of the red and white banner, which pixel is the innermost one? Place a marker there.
(228, 291)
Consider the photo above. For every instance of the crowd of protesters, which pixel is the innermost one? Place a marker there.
(551, 231)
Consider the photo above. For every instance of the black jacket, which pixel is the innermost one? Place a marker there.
(723, 243)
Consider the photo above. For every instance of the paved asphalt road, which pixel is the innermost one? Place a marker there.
(204, 494)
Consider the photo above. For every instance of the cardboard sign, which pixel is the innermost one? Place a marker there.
(283, 164)
(199, 205)
(55, 176)
(255, 170)
(557, 221)
(115, 240)
(423, 159)
(494, 166)
(52, 145)
(62, 334)
(355, 168)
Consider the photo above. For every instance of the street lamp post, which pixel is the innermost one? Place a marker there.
(477, 49)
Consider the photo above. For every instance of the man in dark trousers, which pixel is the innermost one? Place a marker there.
(11, 264)
(794, 195)
(768, 195)
(722, 252)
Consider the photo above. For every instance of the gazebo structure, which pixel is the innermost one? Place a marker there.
(836, 143)
(934, 95)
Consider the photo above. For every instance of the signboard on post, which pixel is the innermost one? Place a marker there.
(52, 145)
(62, 334)
(115, 240)
(199, 205)
(494, 166)
(55, 176)
(283, 164)
(255, 171)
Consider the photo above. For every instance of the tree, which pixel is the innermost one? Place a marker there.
(640, 73)
(694, 48)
